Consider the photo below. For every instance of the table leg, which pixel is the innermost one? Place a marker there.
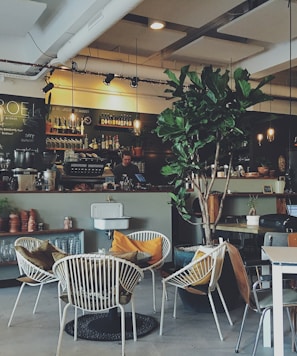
(278, 324)
(267, 342)
(267, 332)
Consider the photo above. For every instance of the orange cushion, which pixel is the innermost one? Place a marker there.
(122, 243)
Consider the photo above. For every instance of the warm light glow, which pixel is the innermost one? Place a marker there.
(137, 127)
(156, 24)
(260, 139)
(270, 134)
(72, 116)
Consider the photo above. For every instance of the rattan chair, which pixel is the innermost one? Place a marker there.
(257, 298)
(97, 283)
(146, 235)
(200, 276)
(32, 275)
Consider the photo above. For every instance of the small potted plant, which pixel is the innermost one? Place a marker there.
(252, 218)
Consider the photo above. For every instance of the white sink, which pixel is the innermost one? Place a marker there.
(109, 216)
(112, 224)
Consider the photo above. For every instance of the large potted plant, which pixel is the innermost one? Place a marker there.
(204, 125)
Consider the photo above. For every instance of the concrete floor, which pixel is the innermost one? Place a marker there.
(189, 334)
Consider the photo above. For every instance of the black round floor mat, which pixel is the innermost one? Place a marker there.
(102, 327)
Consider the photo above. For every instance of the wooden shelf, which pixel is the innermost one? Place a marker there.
(74, 149)
(8, 263)
(63, 134)
(41, 232)
(114, 127)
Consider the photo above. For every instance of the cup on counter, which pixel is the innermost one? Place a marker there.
(279, 186)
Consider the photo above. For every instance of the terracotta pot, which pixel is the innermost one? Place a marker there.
(14, 223)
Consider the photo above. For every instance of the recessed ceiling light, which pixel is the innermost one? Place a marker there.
(156, 24)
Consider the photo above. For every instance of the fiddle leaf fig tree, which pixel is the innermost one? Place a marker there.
(204, 124)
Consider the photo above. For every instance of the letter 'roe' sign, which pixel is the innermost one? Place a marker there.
(22, 123)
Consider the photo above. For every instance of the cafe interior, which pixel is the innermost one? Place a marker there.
(121, 272)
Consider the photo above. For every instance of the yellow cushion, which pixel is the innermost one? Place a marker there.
(122, 243)
(200, 267)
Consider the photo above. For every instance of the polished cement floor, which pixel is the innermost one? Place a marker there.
(189, 334)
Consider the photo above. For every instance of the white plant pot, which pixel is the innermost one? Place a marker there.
(252, 220)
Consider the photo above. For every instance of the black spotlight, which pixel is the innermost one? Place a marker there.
(108, 78)
(134, 82)
(48, 87)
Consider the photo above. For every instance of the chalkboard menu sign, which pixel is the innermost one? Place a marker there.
(22, 123)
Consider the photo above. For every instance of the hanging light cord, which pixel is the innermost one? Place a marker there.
(72, 83)
(136, 62)
(290, 50)
(290, 71)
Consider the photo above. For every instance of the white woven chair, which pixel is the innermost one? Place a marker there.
(146, 235)
(95, 283)
(207, 270)
(33, 275)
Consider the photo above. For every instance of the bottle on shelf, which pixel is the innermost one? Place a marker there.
(67, 223)
(86, 142)
(130, 121)
(103, 142)
(117, 142)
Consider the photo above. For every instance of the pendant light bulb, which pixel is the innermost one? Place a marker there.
(137, 127)
(260, 139)
(270, 134)
(72, 115)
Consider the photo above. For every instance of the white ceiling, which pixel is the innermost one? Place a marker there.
(229, 32)
(18, 17)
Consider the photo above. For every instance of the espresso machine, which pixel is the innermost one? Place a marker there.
(24, 171)
(25, 178)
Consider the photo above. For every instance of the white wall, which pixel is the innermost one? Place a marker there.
(90, 92)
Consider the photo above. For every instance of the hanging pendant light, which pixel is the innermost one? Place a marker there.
(72, 115)
(270, 134)
(136, 122)
(260, 139)
(270, 131)
(137, 127)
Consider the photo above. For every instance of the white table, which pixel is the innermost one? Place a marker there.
(283, 260)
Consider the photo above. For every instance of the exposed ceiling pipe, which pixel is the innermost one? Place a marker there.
(112, 13)
(98, 65)
(124, 69)
(100, 22)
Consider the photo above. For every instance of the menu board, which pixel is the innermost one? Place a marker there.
(22, 123)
